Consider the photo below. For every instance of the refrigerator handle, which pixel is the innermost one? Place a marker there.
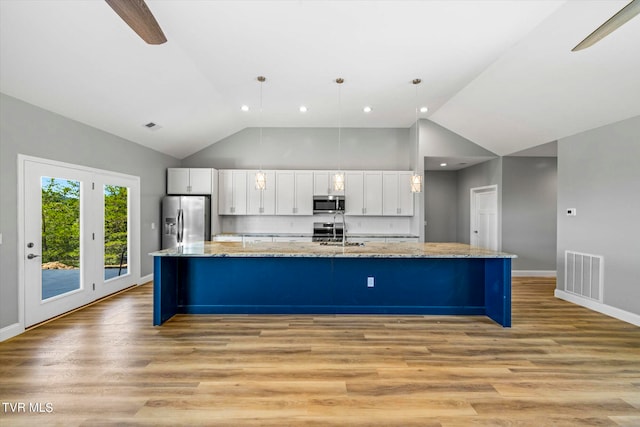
(180, 226)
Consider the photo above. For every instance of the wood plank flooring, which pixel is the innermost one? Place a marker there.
(559, 365)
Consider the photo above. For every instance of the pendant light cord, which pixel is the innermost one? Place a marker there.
(339, 81)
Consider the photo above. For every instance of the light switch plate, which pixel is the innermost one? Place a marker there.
(0, 238)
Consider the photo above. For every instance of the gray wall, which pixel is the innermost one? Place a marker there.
(441, 206)
(598, 174)
(529, 211)
(437, 141)
(308, 148)
(26, 129)
(480, 175)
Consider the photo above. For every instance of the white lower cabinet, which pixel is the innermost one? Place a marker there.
(292, 239)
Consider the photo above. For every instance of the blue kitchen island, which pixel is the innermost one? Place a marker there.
(310, 278)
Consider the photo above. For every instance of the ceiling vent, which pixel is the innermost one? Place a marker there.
(152, 126)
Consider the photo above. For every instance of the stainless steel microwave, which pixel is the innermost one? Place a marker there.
(328, 204)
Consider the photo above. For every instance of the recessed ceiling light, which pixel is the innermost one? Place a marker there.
(443, 164)
(423, 109)
(303, 109)
(367, 109)
(245, 108)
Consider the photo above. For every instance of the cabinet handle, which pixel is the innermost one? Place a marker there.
(399, 210)
(233, 210)
(261, 210)
(188, 189)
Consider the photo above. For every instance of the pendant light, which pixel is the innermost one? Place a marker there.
(261, 177)
(416, 178)
(338, 178)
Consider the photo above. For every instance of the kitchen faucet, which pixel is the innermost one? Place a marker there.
(344, 227)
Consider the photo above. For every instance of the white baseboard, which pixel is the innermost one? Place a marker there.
(11, 331)
(146, 279)
(533, 273)
(616, 313)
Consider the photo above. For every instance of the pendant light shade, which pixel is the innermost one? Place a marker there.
(416, 183)
(338, 181)
(416, 178)
(261, 180)
(338, 178)
(261, 177)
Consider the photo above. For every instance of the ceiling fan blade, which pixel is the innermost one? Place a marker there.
(138, 16)
(617, 20)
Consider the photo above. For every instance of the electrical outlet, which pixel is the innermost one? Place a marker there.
(572, 212)
(370, 282)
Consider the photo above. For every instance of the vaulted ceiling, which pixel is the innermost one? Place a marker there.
(500, 73)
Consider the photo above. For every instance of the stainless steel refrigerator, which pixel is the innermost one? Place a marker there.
(185, 220)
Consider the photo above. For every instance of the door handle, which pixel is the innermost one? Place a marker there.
(180, 226)
(32, 256)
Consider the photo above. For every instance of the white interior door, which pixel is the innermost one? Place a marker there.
(79, 239)
(484, 217)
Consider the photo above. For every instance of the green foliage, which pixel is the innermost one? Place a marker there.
(61, 222)
(115, 223)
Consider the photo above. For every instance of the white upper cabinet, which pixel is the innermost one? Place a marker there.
(363, 193)
(323, 184)
(372, 193)
(189, 181)
(232, 192)
(354, 193)
(261, 202)
(294, 192)
(396, 193)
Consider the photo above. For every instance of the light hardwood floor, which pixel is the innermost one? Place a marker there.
(559, 365)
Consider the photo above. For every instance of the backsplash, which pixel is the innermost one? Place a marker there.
(304, 224)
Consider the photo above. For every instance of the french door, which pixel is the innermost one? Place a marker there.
(80, 240)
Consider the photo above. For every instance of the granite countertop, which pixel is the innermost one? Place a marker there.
(303, 249)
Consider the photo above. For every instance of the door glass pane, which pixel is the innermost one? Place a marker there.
(116, 233)
(60, 236)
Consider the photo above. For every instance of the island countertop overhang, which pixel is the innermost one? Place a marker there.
(316, 250)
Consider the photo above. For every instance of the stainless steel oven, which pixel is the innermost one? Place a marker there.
(328, 204)
(327, 232)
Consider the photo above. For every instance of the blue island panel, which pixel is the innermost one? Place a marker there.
(323, 285)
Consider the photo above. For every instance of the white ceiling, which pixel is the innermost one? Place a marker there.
(499, 73)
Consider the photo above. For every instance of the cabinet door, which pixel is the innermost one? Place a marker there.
(405, 196)
(285, 192)
(261, 202)
(304, 193)
(232, 192)
(373, 193)
(225, 192)
(239, 192)
(321, 183)
(354, 193)
(199, 181)
(390, 193)
(177, 181)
